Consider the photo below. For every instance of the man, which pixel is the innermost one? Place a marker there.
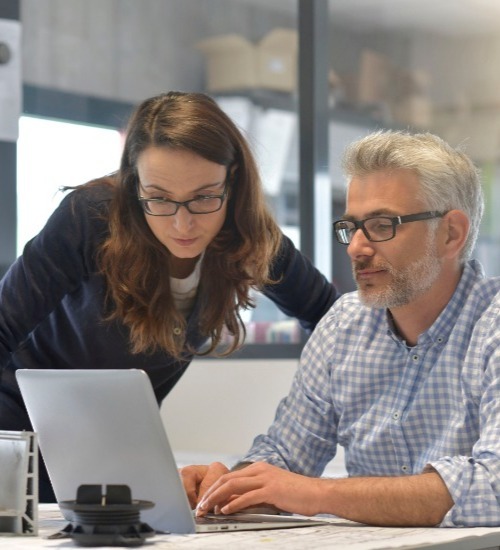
(404, 373)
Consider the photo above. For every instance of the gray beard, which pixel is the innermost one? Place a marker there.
(407, 284)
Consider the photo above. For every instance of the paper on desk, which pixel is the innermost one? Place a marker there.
(338, 535)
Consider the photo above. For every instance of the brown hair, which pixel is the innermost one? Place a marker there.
(135, 263)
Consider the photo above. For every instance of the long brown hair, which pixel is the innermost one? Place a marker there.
(135, 263)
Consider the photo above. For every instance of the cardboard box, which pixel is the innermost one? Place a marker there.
(413, 110)
(411, 103)
(374, 78)
(230, 63)
(235, 63)
(276, 59)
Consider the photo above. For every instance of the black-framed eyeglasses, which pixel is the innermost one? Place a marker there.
(378, 228)
(202, 204)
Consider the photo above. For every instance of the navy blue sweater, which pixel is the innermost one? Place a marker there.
(52, 305)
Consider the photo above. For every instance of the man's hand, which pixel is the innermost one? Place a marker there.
(419, 500)
(261, 484)
(197, 479)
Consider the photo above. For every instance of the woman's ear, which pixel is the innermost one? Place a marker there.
(232, 170)
(455, 232)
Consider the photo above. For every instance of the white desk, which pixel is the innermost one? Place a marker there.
(338, 535)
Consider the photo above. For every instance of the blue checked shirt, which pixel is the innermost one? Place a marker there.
(398, 410)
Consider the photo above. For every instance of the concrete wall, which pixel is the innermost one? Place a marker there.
(128, 49)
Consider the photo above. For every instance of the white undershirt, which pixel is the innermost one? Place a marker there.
(184, 290)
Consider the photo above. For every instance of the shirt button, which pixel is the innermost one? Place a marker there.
(395, 416)
(404, 468)
(177, 331)
(440, 339)
(415, 358)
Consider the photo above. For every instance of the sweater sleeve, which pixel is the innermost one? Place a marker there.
(301, 291)
(52, 265)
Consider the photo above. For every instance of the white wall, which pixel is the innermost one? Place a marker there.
(219, 406)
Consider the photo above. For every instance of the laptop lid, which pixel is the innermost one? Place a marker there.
(104, 427)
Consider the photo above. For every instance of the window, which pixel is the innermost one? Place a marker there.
(52, 154)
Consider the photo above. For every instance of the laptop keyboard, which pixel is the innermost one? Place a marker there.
(215, 519)
(222, 520)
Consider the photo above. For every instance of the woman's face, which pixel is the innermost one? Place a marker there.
(180, 175)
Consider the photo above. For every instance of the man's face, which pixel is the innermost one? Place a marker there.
(392, 273)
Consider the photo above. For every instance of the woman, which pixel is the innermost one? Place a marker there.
(150, 266)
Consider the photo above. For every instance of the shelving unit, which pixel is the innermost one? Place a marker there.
(18, 483)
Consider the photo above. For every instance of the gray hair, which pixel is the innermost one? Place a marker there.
(449, 179)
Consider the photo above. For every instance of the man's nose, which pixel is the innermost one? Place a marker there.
(360, 245)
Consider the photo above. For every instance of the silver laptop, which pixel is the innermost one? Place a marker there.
(104, 427)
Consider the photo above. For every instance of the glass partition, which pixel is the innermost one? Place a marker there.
(242, 53)
(422, 65)
(425, 66)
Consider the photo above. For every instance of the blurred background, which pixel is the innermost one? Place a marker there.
(302, 78)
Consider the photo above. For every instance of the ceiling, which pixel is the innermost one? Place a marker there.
(448, 16)
(443, 16)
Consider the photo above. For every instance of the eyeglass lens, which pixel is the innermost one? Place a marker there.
(375, 229)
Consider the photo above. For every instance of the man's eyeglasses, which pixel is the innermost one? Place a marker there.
(378, 228)
(202, 204)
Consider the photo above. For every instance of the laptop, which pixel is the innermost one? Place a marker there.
(104, 427)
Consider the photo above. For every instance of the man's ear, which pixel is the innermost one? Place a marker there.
(455, 227)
